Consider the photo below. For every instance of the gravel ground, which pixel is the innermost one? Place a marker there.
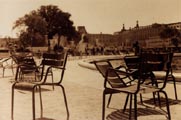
(84, 95)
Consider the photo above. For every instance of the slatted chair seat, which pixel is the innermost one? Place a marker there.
(177, 76)
(133, 88)
(26, 85)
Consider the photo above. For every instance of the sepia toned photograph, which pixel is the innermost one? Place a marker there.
(90, 59)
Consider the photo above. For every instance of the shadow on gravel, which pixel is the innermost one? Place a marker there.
(150, 108)
(120, 115)
(45, 119)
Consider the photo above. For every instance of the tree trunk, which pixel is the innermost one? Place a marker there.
(46, 39)
(58, 40)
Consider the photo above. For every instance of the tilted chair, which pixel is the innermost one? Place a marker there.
(6, 63)
(50, 61)
(102, 66)
(139, 87)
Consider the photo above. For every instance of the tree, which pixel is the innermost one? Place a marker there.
(168, 32)
(58, 22)
(171, 33)
(175, 42)
(32, 29)
(47, 20)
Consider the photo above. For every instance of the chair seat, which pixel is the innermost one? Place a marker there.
(133, 88)
(159, 74)
(177, 76)
(26, 85)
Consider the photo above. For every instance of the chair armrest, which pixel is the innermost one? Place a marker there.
(121, 66)
(58, 67)
(119, 72)
(48, 70)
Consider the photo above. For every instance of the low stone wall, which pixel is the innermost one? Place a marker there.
(176, 62)
(86, 62)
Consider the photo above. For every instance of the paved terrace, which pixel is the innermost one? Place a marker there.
(84, 94)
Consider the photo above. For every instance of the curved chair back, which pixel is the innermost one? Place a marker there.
(113, 77)
(152, 62)
(54, 60)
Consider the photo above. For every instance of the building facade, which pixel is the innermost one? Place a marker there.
(147, 36)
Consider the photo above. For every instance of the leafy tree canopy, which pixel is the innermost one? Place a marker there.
(58, 22)
(169, 32)
(47, 20)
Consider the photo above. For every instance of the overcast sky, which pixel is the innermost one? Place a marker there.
(106, 16)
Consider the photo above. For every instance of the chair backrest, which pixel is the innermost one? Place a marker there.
(110, 74)
(54, 60)
(132, 62)
(102, 66)
(157, 61)
(151, 62)
(23, 58)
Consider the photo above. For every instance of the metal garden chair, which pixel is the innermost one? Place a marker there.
(102, 66)
(50, 61)
(25, 64)
(146, 65)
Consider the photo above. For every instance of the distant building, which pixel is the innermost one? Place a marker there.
(175, 25)
(101, 39)
(6, 42)
(147, 36)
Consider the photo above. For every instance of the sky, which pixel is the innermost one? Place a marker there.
(98, 16)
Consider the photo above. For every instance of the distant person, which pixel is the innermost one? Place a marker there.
(58, 48)
(137, 48)
(102, 50)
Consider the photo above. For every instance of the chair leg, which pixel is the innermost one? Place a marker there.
(154, 99)
(3, 71)
(12, 104)
(41, 103)
(135, 106)
(167, 104)
(130, 107)
(12, 70)
(103, 105)
(16, 75)
(141, 99)
(65, 100)
(52, 79)
(159, 100)
(33, 102)
(175, 88)
(125, 105)
(158, 95)
(109, 100)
